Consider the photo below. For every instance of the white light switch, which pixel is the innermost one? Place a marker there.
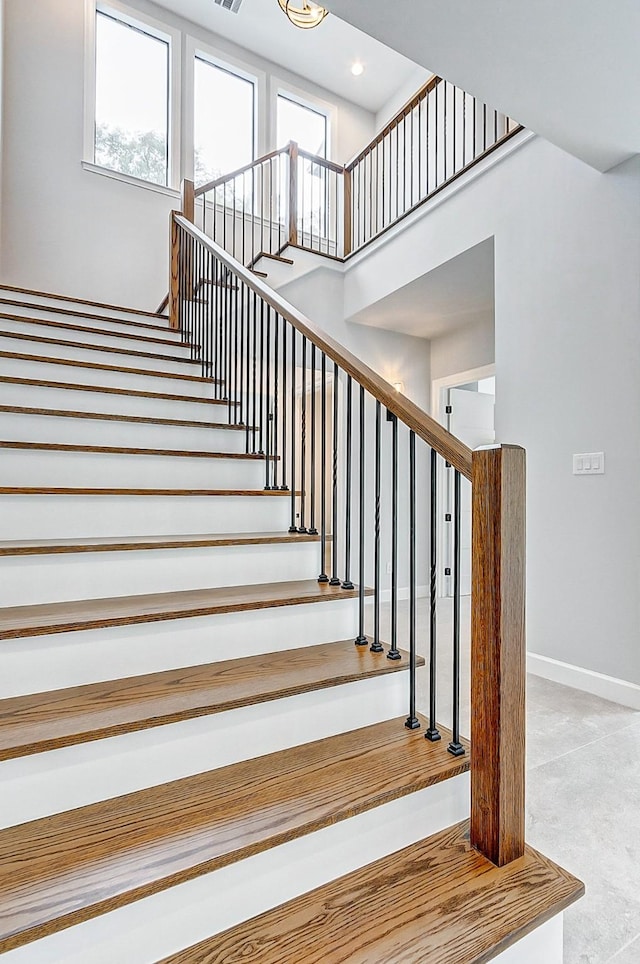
(588, 463)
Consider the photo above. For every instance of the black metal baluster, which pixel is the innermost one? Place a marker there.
(433, 734)
(312, 530)
(420, 112)
(254, 325)
(276, 388)
(283, 407)
(376, 645)
(267, 402)
(347, 583)
(240, 320)
(412, 722)
(335, 580)
(293, 527)
(323, 577)
(455, 747)
(302, 528)
(261, 425)
(361, 639)
(394, 652)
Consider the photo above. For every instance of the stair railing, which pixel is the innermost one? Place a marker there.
(291, 197)
(361, 464)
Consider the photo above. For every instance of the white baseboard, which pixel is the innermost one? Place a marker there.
(606, 687)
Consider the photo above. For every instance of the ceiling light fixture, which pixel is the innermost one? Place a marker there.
(305, 16)
(357, 69)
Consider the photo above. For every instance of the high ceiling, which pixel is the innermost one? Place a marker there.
(567, 69)
(454, 295)
(323, 55)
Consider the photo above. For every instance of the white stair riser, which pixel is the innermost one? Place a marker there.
(87, 431)
(74, 776)
(39, 468)
(103, 336)
(71, 516)
(90, 354)
(28, 304)
(150, 929)
(28, 580)
(41, 396)
(52, 371)
(36, 664)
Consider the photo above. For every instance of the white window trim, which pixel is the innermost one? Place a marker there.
(219, 58)
(305, 99)
(163, 32)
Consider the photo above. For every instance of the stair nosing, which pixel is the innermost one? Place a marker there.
(23, 622)
(124, 491)
(97, 366)
(80, 449)
(112, 390)
(90, 346)
(429, 900)
(85, 314)
(109, 417)
(333, 758)
(341, 660)
(143, 543)
(67, 326)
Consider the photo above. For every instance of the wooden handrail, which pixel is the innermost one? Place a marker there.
(406, 109)
(217, 182)
(321, 161)
(425, 427)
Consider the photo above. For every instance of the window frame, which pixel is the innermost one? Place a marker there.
(199, 51)
(312, 108)
(303, 98)
(160, 31)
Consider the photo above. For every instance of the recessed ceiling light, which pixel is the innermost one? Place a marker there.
(357, 68)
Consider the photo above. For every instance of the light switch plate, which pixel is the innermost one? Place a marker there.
(588, 463)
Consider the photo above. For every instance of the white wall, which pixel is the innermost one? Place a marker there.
(567, 353)
(463, 349)
(399, 97)
(74, 231)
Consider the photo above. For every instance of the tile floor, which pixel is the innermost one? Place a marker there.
(583, 793)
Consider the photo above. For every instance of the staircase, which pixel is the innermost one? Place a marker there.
(197, 762)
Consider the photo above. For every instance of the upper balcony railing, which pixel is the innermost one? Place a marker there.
(291, 197)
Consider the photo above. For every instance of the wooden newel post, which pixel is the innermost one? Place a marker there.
(498, 658)
(187, 194)
(174, 277)
(347, 212)
(293, 192)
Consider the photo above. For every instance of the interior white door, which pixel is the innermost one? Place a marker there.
(471, 419)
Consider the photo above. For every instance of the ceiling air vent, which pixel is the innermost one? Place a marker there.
(231, 5)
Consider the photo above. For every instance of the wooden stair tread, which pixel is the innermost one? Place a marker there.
(272, 257)
(161, 325)
(69, 867)
(99, 366)
(71, 447)
(62, 617)
(121, 543)
(81, 301)
(437, 901)
(90, 346)
(109, 390)
(46, 721)
(179, 493)
(68, 326)
(108, 417)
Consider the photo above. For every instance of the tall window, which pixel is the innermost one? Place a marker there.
(224, 121)
(132, 100)
(306, 126)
